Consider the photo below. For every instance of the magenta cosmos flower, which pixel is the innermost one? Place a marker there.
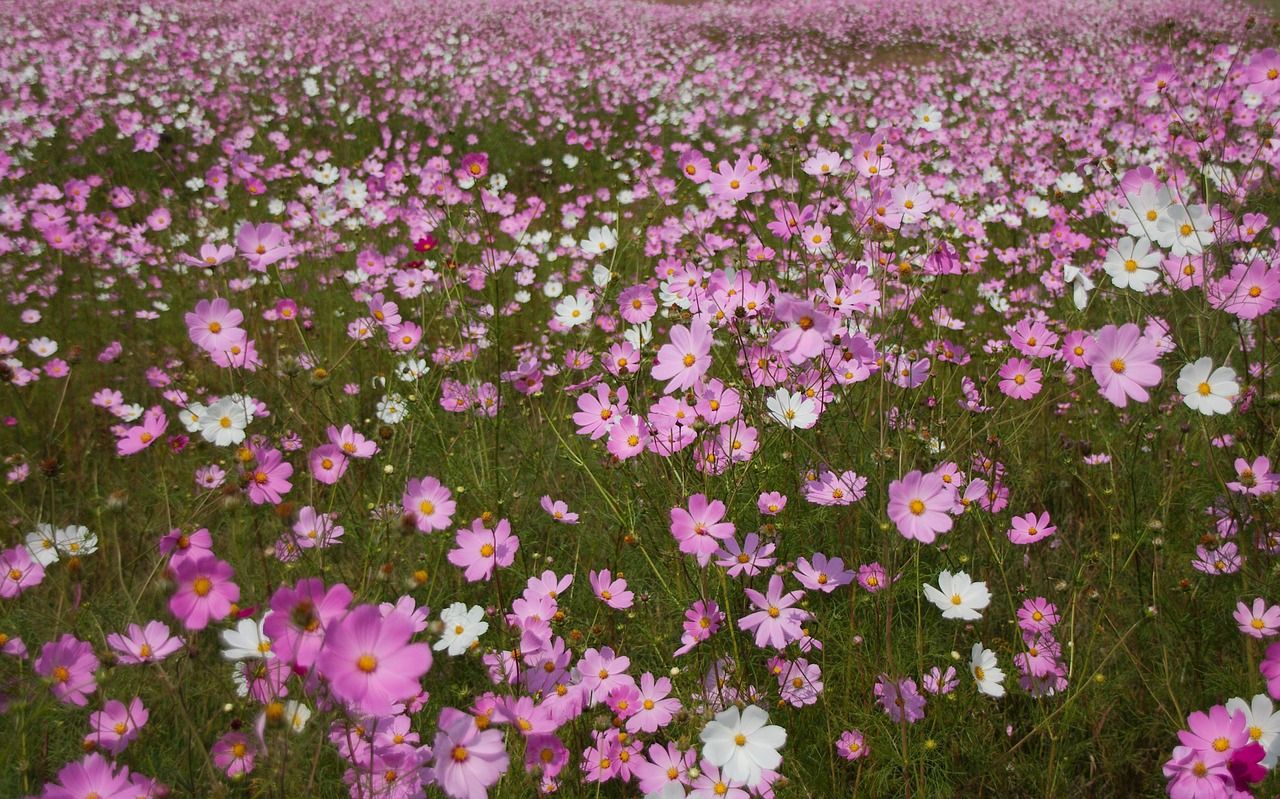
(481, 550)
(918, 504)
(269, 480)
(699, 529)
(686, 358)
(430, 503)
(328, 463)
(234, 753)
(205, 591)
(369, 662)
(69, 663)
(93, 776)
(1124, 363)
(18, 571)
(1019, 379)
(808, 331)
(1030, 528)
(468, 760)
(300, 615)
(117, 725)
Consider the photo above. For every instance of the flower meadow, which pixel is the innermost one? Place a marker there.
(604, 399)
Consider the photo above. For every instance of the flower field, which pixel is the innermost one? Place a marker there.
(698, 399)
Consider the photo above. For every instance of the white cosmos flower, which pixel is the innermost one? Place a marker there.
(574, 310)
(742, 744)
(246, 641)
(1132, 264)
(988, 676)
(1069, 183)
(297, 714)
(792, 410)
(223, 422)
(1206, 389)
(958, 596)
(44, 347)
(462, 628)
(42, 544)
(76, 540)
(1081, 283)
(598, 240)
(391, 409)
(1263, 724)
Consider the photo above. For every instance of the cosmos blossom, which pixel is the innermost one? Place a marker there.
(1123, 361)
(919, 504)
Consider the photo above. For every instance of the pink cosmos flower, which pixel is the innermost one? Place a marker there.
(352, 444)
(771, 503)
(300, 616)
(686, 358)
(702, 620)
(468, 760)
(900, 699)
(481, 550)
(205, 591)
(269, 479)
(262, 245)
(139, 437)
(656, 707)
(1259, 621)
(872, 577)
(600, 410)
(214, 326)
(369, 661)
(695, 166)
(700, 529)
(637, 305)
(734, 182)
(628, 437)
(1030, 529)
(665, 766)
(559, 511)
(1270, 669)
(211, 255)
(809, 329)
(328, 463)
(939, 682)
(95, 776)
(234, 753)
(750, 559)
(149, 644)
(117, 725)
(852, 745)
(612, 592)
(1254, 478)
(430, 503)
(602, 671)
(1124, 363)
(69, 664)
(919, 505)
(1248, 291)
(822, 574)
(1218, 732)
(1037, 615)
(180, 546)
(1263, 72)
(18, 571)
(776, 623)
(1018, 379)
